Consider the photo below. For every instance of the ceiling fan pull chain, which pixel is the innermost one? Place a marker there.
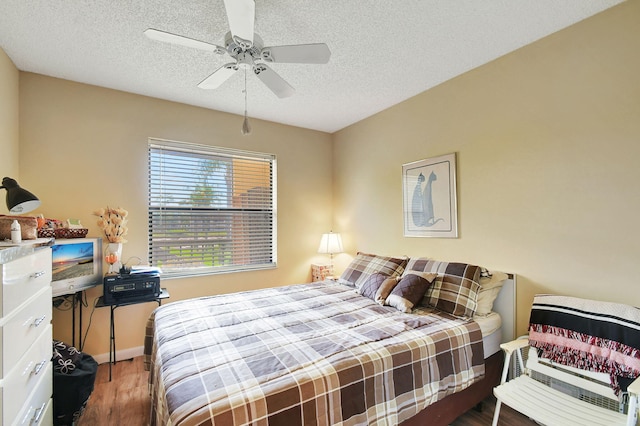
(246, 127)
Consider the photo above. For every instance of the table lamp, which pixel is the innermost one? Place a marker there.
(19, 200)
(331, 244)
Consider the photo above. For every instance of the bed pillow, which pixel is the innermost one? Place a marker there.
(490, 285)
(455, 289)
(410, 290)
(377, 287)
(364, 265)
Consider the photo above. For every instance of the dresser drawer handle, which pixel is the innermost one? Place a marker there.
(38, 413)
(39, 321)
(37, 275)
(38, 367)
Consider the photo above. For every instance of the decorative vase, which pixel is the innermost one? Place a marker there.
(113, 256)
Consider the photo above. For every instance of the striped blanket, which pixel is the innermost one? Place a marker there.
(309, 354)
(596, 336)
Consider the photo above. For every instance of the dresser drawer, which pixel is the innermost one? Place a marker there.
(23, 327)
(22, 379)
(23, 277)
(37, 409)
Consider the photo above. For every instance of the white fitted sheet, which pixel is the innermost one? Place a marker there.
(491, 333)
(489, 323)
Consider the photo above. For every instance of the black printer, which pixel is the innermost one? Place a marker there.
(131, 288)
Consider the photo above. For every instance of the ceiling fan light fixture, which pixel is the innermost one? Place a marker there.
(245, 61)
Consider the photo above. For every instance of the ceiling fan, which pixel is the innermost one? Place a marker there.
(248, 51)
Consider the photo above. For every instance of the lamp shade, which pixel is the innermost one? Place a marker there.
(19, 200)
(330, 243)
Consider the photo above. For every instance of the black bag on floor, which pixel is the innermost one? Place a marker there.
(74, 374)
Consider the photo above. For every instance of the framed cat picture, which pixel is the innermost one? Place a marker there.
(429, 197)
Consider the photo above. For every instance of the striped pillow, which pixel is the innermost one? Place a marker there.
(455, 289)
(364, 265)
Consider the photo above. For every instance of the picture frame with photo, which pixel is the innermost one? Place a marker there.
(430, 197)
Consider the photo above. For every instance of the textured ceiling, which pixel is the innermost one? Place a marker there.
(383, 52)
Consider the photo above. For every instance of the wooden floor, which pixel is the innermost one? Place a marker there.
(125, 401)
(122, 401)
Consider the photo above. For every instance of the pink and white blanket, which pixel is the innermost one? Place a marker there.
(596, 336)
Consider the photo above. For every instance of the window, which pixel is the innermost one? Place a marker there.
(210, 209)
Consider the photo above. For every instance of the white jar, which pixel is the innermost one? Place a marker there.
(16, 232)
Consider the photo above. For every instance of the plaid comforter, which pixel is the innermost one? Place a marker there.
(309, 354)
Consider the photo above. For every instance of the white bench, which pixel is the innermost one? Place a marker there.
(550, 406)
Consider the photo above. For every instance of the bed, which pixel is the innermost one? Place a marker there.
(377, 346)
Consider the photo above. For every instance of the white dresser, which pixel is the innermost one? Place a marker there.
(26, 380)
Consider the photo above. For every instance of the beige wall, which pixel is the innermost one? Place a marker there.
(9, 136)
(548, 144)
(85, 147)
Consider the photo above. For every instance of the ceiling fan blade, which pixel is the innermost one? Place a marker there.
(219, 76)
(166, 37)
(273, 81)
(317, 53)
(241, 16)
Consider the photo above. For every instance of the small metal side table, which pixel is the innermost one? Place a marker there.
(75, 299)
(164, 294)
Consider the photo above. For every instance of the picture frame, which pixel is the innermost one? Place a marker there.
(430, 197)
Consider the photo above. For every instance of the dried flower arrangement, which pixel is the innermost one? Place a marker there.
(113, 223)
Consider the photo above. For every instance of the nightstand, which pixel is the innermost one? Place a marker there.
(320, 272)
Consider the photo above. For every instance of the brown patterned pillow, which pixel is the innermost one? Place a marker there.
(364, 265)
(455, 289)
(410, 290)
(377, 287)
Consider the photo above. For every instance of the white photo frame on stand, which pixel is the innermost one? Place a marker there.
(430, 197)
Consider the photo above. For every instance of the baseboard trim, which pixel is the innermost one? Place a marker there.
(120, 355)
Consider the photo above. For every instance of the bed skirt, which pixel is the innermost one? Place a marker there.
(445, 411)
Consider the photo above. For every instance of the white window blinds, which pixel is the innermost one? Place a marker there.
(210, 209)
